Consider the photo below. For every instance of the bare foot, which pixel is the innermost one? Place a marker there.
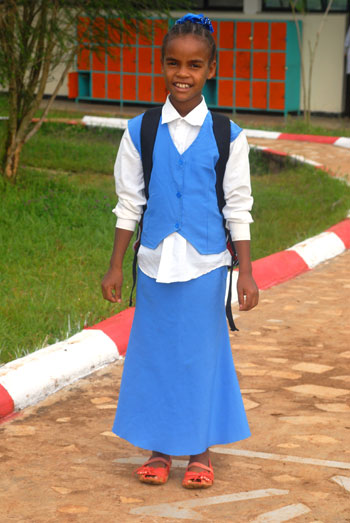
(199, 458)
(159, 464)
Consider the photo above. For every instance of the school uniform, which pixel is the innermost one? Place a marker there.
(179, 392)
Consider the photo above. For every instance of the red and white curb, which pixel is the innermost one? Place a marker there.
(122, 123)
(341, 141)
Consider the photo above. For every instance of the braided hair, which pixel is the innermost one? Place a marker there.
(186, 28)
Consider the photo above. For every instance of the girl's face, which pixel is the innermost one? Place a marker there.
(186, 68)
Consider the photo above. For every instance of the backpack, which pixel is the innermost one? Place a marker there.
(222, 133)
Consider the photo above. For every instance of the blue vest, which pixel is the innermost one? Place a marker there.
(182, 193)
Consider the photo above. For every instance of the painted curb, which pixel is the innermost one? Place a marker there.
(122, 123)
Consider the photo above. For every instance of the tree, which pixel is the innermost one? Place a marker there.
(39, 37)
(300, 6)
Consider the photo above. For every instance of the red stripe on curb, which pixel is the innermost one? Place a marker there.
(278, 268)
(117, 328)
(274, 151)
(6, 403)
(342, 230)
(308, 138)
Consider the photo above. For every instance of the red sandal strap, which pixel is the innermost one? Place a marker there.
(154, 471)
(200, 465)
(163, 460)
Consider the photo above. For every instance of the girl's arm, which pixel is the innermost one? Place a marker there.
(248, 292)
(131, 199)
(113, 279)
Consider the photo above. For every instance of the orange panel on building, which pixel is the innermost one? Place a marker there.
(278, 36)
(98, 85)
(226, 63)
(113, 86)
(160, 30)
(129, 59)
(159, 89)
(98, 28)
(243, 35)
(259, 100)
(215, 33)
(83, 28)
(243, 64)
(261, 35)
(242, 98)
(99, 59)
(144, 88)
(226, 35)
(277, 66)
(225, 94)
(129, 36)
(260, 65)
(113, 32)
(72, 85)
(145, 60)
(113, 59)
(277, 95)
(129, 87)
(145, 33)
(157, 61)
(83, 62)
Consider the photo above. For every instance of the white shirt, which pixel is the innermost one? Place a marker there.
(175, 259)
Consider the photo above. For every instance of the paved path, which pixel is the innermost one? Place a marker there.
(335, 159)
(59, 461)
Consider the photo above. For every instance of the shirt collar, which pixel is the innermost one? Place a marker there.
(195, 117)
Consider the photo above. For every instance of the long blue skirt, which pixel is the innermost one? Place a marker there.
(179, 392)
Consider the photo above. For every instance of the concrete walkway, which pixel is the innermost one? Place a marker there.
(59, 462)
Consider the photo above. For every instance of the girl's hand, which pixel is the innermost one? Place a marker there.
(112, 285)
(248, 292)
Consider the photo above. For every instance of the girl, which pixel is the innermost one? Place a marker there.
(179, 393)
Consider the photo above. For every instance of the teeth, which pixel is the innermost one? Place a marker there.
(182, 86)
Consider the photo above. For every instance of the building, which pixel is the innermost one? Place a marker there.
(258, 62)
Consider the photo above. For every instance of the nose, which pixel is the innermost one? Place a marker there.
(182, 71)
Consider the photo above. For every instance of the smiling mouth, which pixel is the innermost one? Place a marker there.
(182, 86)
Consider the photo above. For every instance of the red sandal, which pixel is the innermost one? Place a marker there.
(152, 475)
(194, 479)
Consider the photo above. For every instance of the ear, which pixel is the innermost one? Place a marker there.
(211, 70)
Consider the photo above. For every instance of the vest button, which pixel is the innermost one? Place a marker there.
(178, 194)
(181, 162)
(177, 226)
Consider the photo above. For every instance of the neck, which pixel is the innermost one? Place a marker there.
(183, 108)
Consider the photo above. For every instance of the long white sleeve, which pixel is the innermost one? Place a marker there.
(129, 184)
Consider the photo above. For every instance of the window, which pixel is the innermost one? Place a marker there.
(232, 5)
(340, 6)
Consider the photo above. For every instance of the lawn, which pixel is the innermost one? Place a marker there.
(57, 228)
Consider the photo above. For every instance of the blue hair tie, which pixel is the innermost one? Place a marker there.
(196, 19)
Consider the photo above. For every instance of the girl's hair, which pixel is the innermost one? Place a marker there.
(190, 28)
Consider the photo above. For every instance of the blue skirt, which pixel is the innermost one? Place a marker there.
(179, 392)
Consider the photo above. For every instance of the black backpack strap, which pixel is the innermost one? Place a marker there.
(222, 133)
(148, 132)
(149, 127)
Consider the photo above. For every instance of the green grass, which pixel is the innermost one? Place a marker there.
(293, 204)
(57, 228)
